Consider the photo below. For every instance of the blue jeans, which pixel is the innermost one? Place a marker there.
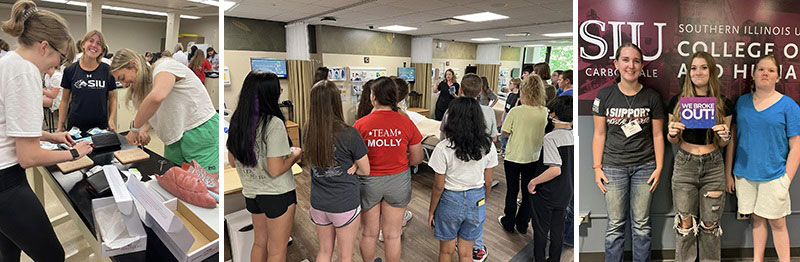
(459, 215)
(628, 192)
(568, 221)
(504, 141)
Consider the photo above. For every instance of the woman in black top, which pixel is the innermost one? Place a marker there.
(628, 153)
(88, 96)
(698, 180)
(448, 90)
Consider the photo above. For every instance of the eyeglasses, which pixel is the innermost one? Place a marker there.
(63, 57)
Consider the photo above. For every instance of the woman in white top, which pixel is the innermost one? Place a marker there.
(43, 40)
(52, 88)
(171, 100)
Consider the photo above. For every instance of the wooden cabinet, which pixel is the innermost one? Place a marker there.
(294, 133)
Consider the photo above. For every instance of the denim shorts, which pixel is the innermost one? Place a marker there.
(460, 214)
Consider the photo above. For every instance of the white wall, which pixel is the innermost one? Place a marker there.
(391, 63)
(207, 27)
(238, 61)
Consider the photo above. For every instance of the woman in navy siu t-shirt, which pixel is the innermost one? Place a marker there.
(88, 95)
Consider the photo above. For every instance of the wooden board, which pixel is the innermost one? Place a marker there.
(131, 155)
(422, 111)
(68, 167)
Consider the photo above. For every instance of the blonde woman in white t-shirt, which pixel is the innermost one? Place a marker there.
(172, 101)
(43, 42)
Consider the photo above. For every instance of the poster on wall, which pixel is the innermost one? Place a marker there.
(736, 33)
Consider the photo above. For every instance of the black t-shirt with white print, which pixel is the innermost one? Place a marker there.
(623, 149)
(88, 106)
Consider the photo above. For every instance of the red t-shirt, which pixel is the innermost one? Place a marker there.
(387, 135)
(201, 73)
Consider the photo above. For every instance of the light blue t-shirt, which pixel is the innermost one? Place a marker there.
(762, 138)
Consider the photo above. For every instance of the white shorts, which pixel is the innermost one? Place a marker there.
(769, 199)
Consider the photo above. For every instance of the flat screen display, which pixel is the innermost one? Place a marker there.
(277, 66)
(407, 73)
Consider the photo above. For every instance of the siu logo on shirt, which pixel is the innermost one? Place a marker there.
(89, 84)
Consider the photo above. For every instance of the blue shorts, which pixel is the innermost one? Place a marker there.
(460, 214)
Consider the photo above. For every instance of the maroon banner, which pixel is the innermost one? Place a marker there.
(735, 32)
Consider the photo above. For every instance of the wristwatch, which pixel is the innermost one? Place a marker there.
(74, 153)
(134, 129)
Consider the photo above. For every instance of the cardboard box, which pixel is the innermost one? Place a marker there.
(186, 236)
(136, 239)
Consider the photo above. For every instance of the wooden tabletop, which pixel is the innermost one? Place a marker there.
(418, 110)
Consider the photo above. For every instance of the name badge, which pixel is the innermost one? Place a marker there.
(481, 202)
(631, 128)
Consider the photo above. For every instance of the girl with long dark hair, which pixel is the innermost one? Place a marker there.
(331, 148)
(394, 144)
(463, 163)
(258, 147)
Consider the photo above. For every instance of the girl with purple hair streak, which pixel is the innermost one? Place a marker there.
(259, 149)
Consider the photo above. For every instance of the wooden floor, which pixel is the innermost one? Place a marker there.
(419, 243)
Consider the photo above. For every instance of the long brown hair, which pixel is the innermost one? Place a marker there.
(364, 104)
(30, 26)
(197, 61)
(327, 120)
(714, 89)
(144, 79)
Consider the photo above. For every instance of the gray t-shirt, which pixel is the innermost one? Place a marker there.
(333, 189)
(256, 180)
(485, 100)
(620, 149)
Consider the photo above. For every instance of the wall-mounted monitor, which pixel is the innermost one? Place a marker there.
(407, 73)
(277, 66)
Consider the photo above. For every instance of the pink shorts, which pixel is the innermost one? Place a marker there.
(338, 220)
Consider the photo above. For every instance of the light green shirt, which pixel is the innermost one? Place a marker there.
(256, 180)
(525, 124)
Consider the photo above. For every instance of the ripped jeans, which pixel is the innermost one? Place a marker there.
(698, 193)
